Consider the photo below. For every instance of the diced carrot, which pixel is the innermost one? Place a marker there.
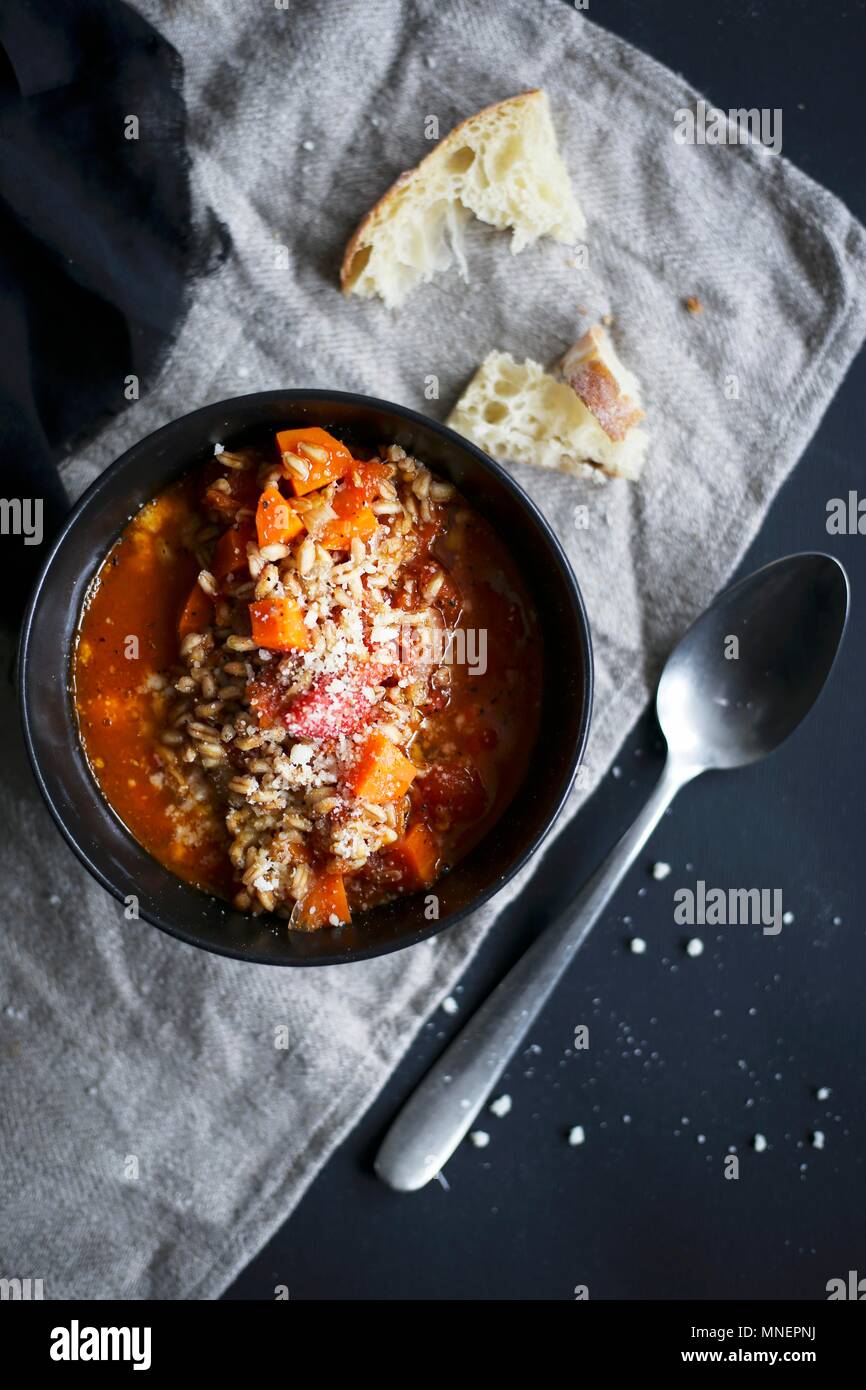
(326, 458)
(368, 475)
(354, 517)
(349, 499)
(326, 899)
(230, 554)
(339, 533)
(360, 485)
(382, 773)
(197, 612)
(416, 855)
(278, 625)
(276, 522)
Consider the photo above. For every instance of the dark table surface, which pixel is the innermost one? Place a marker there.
(689, 1058)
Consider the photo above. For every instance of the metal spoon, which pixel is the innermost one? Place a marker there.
(738, 683)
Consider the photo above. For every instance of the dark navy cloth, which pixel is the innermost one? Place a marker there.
(97, 245)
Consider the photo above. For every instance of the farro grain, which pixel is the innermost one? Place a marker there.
(314, 452)
(248, 742)
(431, 589)
(275, 552)
(235, 461)
(297, 466)
(211, 709)
(306, 555)
(441, 492)
(244, 786)
(198, 730)
(191, 642)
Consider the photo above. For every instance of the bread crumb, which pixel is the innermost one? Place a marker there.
(693, 304)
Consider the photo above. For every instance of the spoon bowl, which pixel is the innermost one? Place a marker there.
(750, 668)
(736, 685)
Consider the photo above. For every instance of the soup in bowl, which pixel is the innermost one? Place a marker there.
(327, 685)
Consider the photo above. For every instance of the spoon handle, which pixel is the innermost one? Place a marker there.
(441, 1110)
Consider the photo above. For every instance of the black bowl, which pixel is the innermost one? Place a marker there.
(96, 834)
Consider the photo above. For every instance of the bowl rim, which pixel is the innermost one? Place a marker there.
(128, 459)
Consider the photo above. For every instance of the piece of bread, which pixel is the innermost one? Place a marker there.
(517, 411)
(502, 165)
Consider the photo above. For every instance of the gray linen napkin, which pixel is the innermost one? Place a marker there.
(153, 1136)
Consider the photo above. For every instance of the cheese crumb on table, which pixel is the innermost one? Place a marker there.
(480, 1138)
(694, 947)
(637, 945)
(576, 1135)
(660, 870)
(449, 1005)
(759, 1143)
(501, 1106)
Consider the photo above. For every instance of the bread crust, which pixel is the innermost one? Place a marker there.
(381, 210)
(599, 390)
(593, 381)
